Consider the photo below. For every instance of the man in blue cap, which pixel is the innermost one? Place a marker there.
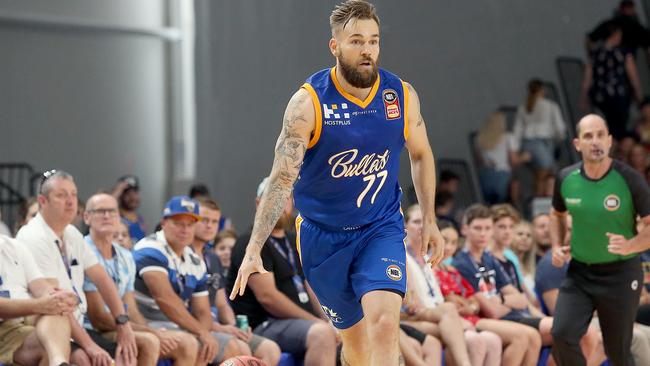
(171, 280)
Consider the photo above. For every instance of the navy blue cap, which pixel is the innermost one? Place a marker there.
(181, 205)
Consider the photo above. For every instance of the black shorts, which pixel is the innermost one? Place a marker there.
(289, 334)
(413, 333)
(103, 343)
(517, 317)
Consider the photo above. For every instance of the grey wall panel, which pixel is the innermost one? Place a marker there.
(92, 104)
(464, 58)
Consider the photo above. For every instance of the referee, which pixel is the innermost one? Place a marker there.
(604, 197)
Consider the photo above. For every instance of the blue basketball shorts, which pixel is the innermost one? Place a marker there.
(341, 267)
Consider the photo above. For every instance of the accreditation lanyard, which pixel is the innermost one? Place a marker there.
(60, 245)
(289, 257)
(482, 273)
(180, 279)
(116, 256)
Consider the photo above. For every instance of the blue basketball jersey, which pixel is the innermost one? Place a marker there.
(349, 177)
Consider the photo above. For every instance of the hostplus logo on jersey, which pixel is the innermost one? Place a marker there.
(336, 114)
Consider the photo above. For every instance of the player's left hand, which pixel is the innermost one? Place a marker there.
(618, 244)
(432, 243)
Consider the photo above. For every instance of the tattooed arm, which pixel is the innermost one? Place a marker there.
(423, 172)
(297, 127)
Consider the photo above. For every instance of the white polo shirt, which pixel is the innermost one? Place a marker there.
(17, 269)
(44, 245)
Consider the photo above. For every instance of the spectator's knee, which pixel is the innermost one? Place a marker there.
(492, 340)
(475, 343)
(534, 338)
(79, 357)
(321, 335)
(268, 351)
(232, 349)
(188, 346)
(148, 344)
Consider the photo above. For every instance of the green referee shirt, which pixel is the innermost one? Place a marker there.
(607, 205)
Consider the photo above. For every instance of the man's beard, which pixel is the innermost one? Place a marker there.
(284, 222)
(358, 79)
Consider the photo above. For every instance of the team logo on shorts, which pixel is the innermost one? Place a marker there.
(612, 202)
(394, 272)
(391, 104)
(635, 285)
(333, 315)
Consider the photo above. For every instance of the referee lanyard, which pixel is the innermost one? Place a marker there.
(289, 257)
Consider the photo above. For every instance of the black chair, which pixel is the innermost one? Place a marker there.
(15, 188)
(511, 114)
(571, 72)
(468, 190)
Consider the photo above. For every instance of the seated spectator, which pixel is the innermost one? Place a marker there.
(127, 193)
(122, 235)
(102, 218)
(65, 261)
(171, 282)
(505, 218)
(515, 337)
(498, 297)
(4, 229)
(541, 235)
(419, 349)
(466, 345)
(279, 303)
(223, 245)
(27, 211)
(25, 293)
(643, 313)
(200, 190)
(78, 221)
(538, 128)
(642, 128)
(205, 231)
(498, 152)
(634, 36)
(444, 206)
(448, 182)
(523, 247)
(638, 158)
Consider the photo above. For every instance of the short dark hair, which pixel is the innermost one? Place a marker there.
(443, 197)
(199, 189)
(344, 12)
(475, 212)
(223, 234)
(448, 175)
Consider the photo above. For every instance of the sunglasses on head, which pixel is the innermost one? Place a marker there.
(46, 176)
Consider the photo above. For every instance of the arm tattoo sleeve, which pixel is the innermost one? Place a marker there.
(289, 153)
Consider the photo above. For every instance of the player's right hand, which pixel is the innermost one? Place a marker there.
(561, 255)
(252, 263)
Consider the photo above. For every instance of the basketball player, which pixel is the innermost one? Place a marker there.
(341, 139)
(604, 197)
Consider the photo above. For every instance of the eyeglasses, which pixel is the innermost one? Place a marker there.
(104, 211)
(45, 176)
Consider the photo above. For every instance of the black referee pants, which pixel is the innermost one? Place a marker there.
(612, 289)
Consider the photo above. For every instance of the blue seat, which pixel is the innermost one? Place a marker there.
(287, 359)
(543, 356)
(164, 362)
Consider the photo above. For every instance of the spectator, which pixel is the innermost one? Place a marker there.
(78, 221)
(541, 235)
(122, 235)
(419, 349)
(28, 210)
(611, 81)
(65, 261)
(498, 152)
(621, 148)
(448, 182)
(444, 206)
(127, 193)
(102, 218)
(505, 218)
(638, 158)
(4, 229)
(279, 304)
(205, 231)
(223, 245)
(200, 190)
(23, 293)
(523, 247)
(460, 292)
(642, 128)
(634, 35)
(171, 282)
(466, 345)
(498, 298)
(538, 127)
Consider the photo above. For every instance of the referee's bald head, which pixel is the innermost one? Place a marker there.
(589, 119)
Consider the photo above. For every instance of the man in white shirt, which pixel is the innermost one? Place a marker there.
(64, 259)
(26, 322)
